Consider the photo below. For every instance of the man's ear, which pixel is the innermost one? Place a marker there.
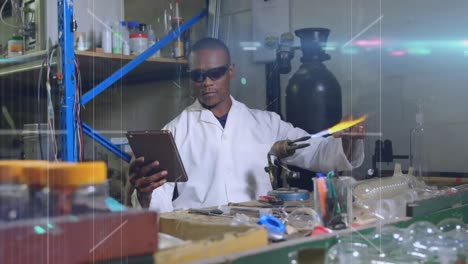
(232, 71)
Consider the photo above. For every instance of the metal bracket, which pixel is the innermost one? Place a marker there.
(105, 142)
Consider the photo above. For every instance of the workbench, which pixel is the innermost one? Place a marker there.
(444, 207)
(279, 253)
(207, 239)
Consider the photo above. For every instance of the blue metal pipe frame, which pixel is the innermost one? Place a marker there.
(67, 113)
(122, 72)
(88, 130)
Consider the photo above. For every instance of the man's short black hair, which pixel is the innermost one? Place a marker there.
(211, 43)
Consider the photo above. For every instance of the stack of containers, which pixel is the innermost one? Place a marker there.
(34, 189)
(78, 188)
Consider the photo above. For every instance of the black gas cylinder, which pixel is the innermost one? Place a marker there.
(313, 95)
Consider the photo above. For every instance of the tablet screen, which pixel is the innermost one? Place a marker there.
(158, 145)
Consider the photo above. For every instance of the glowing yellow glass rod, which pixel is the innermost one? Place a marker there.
(340, 126)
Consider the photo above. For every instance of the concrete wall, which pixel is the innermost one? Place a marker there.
(152, 12)
(236, 27)
(89, 15)
(433, 70)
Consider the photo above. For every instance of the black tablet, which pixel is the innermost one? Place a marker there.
(158, 145)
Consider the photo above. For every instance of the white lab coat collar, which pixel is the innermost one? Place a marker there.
(208, 116)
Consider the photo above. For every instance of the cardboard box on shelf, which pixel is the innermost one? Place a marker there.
(208, 236)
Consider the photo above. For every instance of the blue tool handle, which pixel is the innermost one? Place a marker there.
(272, 224)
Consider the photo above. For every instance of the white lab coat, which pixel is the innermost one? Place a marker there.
(227, 165)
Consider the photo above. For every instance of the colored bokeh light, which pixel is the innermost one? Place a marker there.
(368, 42)
(419, 51)
(39, 230)
(243, 81)
(398, 53)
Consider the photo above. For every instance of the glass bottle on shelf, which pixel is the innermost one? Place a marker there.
(152, 39)
(176, 22)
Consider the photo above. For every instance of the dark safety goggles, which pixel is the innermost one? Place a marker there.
(214, 74)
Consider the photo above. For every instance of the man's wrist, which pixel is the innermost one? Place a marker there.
(144, 199)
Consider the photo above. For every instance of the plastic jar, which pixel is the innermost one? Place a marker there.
(15, 46)
(138, 43)
(78, 188)
(14, 195)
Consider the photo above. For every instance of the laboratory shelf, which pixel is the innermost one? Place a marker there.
(96, 67)
(9, 66)
(21, 72)
(127, 57)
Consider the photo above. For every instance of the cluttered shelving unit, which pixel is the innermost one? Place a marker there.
(98, 69)
(101, 57)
